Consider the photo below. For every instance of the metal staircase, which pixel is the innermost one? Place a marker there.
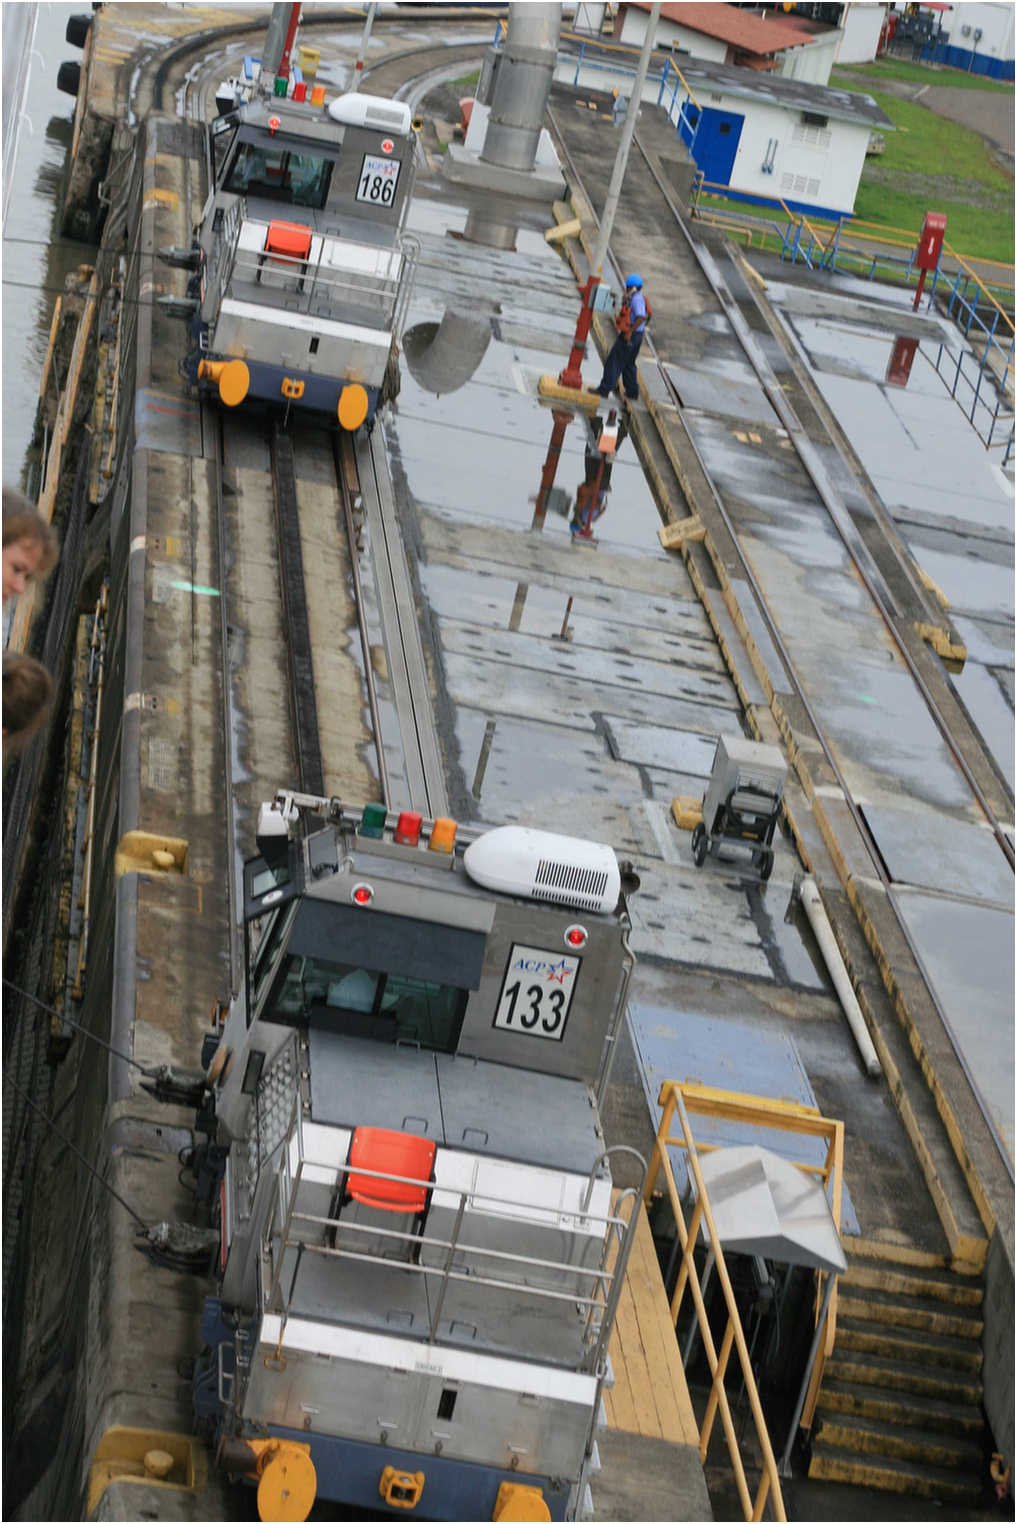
(900, 1406)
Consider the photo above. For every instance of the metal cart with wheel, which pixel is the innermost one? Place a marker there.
(742, 802)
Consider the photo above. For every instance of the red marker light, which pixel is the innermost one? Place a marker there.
(576, 936)
(407, 831)
(273, 124)
(363, 894)
(387, 146)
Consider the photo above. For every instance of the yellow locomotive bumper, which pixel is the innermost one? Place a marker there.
(353, 405)
(515, 1501)
(232, 377)
(287, 1480)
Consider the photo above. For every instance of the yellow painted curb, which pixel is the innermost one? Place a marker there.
(145, 852)
(120, 1456)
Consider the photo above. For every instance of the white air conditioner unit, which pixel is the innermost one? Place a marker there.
(542, 865)
(372, 111)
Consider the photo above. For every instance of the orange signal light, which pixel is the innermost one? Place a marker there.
(443, 835)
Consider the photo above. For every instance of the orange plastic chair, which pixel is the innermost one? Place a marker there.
(291, 239)
(394, 1153)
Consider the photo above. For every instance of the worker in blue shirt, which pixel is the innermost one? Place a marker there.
(631, 324)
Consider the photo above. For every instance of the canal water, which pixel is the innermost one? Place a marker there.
(35, 258)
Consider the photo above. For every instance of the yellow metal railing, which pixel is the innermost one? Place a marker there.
(679, 1100)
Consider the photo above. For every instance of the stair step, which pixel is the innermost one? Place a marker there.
(906, 1442)
(890, 1475)
(857, 1247)
(914, 1281)
(909, 1312)
(896, 1407)
(908, 1344)
(859, 1368)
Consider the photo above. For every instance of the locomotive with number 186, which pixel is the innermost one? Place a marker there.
(303, 268)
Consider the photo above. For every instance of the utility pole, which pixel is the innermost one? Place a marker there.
(358, 70)
(275, 57)
(572, 374)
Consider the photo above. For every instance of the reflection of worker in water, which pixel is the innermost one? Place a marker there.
(592, 495)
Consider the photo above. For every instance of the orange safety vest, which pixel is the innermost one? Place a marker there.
(623, 322)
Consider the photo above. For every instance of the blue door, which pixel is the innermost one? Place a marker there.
(716, 143)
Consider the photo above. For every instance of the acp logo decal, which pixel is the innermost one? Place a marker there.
(554, 970)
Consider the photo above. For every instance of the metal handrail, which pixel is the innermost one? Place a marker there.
(785, 1116)
(311, 287)
(599, 1301)
(734, 1335)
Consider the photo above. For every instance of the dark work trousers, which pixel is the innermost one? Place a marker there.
(622, 362)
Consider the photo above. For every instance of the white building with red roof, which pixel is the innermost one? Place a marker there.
(774, 42)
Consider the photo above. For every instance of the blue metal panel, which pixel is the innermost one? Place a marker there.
(716, 143)
(350, 1471)
(729, 1055)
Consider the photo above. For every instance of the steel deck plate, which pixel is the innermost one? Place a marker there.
(728, 1055)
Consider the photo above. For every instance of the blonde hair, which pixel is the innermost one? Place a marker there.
(27, 691)
(23, 521)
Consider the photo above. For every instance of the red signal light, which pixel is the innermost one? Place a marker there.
(407, 831)
(363, 894)
(576, 936)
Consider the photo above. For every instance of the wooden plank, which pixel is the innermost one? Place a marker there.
(621, 1412)
(634, 1359)
(660, 1344)
(650, 1396)
(674, 536)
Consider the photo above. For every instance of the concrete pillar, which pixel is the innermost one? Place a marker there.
(523, 84)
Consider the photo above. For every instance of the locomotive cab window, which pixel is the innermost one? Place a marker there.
(363, 1002)
(274, 172)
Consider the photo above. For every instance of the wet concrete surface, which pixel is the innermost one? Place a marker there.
(596, 733)
(944, 489)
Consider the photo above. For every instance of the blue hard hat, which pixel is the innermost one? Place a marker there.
(636, 281)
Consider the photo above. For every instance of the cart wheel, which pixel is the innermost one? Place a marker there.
(766, 866)
(700, 845)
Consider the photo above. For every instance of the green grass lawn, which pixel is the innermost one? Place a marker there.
(898, 68)
(933, 165)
